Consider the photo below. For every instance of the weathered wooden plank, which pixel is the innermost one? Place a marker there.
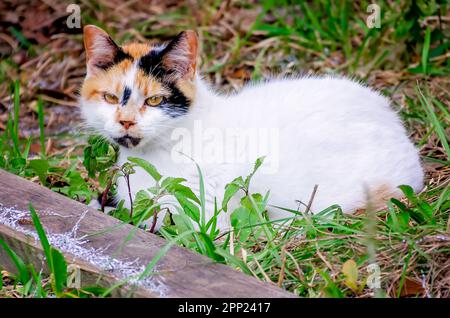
(104, 249)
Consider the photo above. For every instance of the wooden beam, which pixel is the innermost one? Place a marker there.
(108, 251)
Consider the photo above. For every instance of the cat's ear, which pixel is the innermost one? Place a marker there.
(180, 55)
(101, 51)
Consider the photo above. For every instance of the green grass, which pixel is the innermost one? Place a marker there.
(326, 254)
(41, 126)
(53, 172)
(433, 120)
(30, 283)
(324, 27)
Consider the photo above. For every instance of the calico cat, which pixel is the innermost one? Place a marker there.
(327, 131)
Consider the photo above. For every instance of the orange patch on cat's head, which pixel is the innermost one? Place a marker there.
(108, 80)
(137, 50)
(148, 85)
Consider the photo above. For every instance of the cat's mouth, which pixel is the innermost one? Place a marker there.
(128, 141)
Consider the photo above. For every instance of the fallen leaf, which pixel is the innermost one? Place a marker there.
(350, 271)
(411, 287)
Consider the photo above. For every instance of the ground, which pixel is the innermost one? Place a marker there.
(407, 58)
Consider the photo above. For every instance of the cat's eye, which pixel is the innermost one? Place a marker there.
(153, 101)
(110, 98)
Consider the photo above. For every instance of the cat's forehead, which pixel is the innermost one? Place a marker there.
(133, 53)
(138, 50)
(128, 72)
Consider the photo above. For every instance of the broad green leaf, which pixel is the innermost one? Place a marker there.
(242, 219)
(422, 211)
(40, 167)
(18, 163)
(189, 208)
(258, 164)
(182, 223)
(230, 191)
(186, 192)
(398, 221)
(400, 205)
(174, 186)
(99, 155)
(170, 182)
(409, 193)
(141, 202)
(257, 198)
(148, 167)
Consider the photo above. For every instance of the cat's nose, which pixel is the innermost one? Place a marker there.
(127, 123)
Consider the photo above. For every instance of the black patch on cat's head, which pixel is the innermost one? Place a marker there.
(176, 104)
(126, 95)
(119, 56)
(152, 64)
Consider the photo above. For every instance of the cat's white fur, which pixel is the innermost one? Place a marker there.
(329, 131)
